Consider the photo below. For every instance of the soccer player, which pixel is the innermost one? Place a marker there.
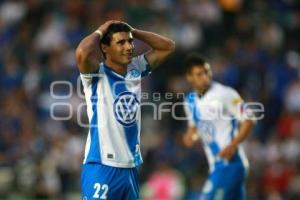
(216, 114)
(112, 93)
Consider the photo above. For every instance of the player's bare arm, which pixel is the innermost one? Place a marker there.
(190, 137)
(88, 53)
(244, 131)
(161, 46)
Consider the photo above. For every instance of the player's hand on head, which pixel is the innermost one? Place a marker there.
(103, 28)
(228, 152)
(131, 28)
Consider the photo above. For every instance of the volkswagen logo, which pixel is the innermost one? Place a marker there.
(126, 107)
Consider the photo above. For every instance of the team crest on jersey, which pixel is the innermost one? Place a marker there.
(126, 107)
(134, 73)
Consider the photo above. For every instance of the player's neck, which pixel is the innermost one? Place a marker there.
(120, 69)
(202, 92)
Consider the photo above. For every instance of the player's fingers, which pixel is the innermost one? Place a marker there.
(186, 141)
(105, 26)
(222, 153)
(108, 23)
(113, 22)
(127, 24)
(226, 153)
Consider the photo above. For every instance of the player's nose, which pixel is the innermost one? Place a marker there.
(129, 46)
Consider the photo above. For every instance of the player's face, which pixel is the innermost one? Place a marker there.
(120, 50)
(199, 77)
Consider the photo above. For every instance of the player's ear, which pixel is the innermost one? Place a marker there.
(104, 48)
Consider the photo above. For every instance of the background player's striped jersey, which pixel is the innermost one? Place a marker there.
(113, 108)
(216, 115)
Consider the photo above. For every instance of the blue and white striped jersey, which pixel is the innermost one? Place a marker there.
(113, 108)
(216, 115)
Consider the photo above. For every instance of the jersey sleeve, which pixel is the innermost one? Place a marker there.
(87, 78)
(141, 64)
(236, 106)
(189, 114)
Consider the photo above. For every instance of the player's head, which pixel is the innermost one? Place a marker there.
(198, 72)
(117, 44)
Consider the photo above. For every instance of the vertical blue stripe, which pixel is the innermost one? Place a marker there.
(191, 99)
(94, 152)
(234, 123)
(132, 131)
(147, 71)
(233, 127)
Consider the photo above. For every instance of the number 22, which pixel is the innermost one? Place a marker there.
(97, 187)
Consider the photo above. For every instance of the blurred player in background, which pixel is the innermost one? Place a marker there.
(217, 114)
(112, 92)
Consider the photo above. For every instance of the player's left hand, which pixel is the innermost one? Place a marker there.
(228, 152)
(131, 28)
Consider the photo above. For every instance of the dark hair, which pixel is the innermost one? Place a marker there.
(114, 28)
(192, 60)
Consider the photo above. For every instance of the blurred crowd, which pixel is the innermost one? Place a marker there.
(252, 45)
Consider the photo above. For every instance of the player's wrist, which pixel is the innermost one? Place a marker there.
(134, 32)
(99, 33)
(195, 137)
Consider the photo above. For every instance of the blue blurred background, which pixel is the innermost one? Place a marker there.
(252, 45)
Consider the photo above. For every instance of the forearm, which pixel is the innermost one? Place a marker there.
(243, 133)
(154, 40)
(88, 53)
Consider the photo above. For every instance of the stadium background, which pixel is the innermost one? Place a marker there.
(252, 45)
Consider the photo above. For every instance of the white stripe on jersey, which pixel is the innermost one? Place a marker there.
(114, 143)
(87, 89)
(87, 147)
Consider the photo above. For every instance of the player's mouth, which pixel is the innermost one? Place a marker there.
(129, 55)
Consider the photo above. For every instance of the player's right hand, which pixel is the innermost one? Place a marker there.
(131, 28)
(228, 151)
(103, 28)
(189, 139)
